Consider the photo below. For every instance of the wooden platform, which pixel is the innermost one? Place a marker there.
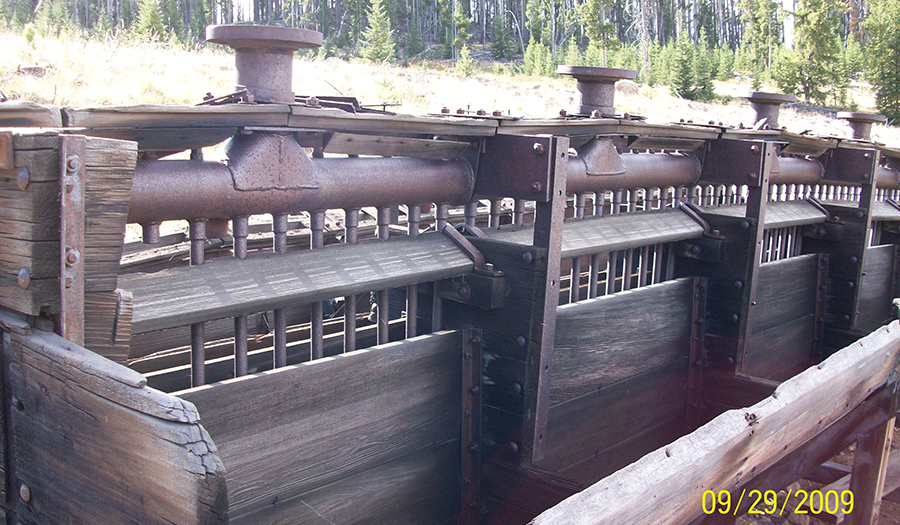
(778, 214)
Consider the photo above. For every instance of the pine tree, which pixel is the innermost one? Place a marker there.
(150, 20)
(465, 66)
(681, 74)
(378, 43)
(502, 46)
(703, 71)
(884, 56)
(818, 41)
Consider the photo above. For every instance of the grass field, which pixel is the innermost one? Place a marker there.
(79, 72)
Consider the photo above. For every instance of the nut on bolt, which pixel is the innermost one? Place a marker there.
(73, 163)
(72, 257)
(536, 187)
(539, 148)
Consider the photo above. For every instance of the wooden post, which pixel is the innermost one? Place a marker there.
(869, 469)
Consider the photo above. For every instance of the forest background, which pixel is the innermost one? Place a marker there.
(811, 48)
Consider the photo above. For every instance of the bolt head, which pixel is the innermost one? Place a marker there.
(24, 278)
(754, 148)
(72, 256)
(753, 175)
(481, 112)
(527, 257)
(25, 492)
(745, 225)
(497, 113)
(445, 110)
(520, 340)
(23, 178)
(537, 187)
(596, 114)
(538, 148)
(464, 292)
(73, 163)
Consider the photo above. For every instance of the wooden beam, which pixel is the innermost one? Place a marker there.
(870, 463)
(720, 454)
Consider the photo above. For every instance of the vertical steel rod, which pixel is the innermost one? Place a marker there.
(645, 259)
(595, 271)
(441, 216)
(412, 290)
(279, 245)
(316, 313)
(471, 212)
(519, 212)
(611, 273)
(382, 304)
(351, 223)
(198, 330)
(495, 213)
(240, 228)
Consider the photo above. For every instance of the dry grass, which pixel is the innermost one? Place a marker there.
(87, 72)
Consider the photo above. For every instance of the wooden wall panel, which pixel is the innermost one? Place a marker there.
(614, 337)
(94, 445)
(876, 290)
(370, 425)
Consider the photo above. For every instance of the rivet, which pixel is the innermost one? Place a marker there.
(864, 176)
(853, 259)
(850, 284)
(513, 447)
(73, 163)
(520, 340)
(754, 148)
(71, 256)
(539, 148)
(537, 187)
(24, 278)
(752, 303)
(753, 175)
(738, 284)
(846, 318)
(734, 318)
(859, 215)
(25, 493)
(527, 257)
(729, 360)
(516, 388)
(476, 389)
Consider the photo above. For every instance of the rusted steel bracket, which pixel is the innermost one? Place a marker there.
(708, 248)
(71, 234)
(852, 166)
(697, 352)
(821, 289)
(485, 287)
(517, 167)
(738, 162)
(470, 472)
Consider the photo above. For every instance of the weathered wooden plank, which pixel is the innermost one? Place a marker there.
(720, 454)
(786, 291)
(735, 390)
(781, 351)
(616, 412)
(417, 488)
(329, 419)
(608, 339)
(168, 139)
(94, 445)
(156, 116)
(870, 462)
(876, 294)
(611, 232)
(395, 146)
(530, 489)
(40, 294)
(778, 214)
(228, 287)
(21, 114)
(883, 211)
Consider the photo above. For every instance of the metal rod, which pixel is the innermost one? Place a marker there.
(611, 273)
(595, 271)
(412, 290)
(316, 310)
(198, 334)
(279, 245)
(519, 212)
(658, 276)
(441, 216)
(240, 228)
(382, 303)
(645, 258)
(495, 213)
(471, 212)
(351, 224)
(626, 269)
(575, 280)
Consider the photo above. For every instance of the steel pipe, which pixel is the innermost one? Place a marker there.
(792, 170)
(185, 189)
(642, 170)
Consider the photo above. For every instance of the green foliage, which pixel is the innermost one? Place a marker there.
(817, 40)
(462, 22)
(725, 67)
(573, 54)
(378, 43)
(537, 60)
(853, 58)
(703, 71)
(762, 32)
(465, 66)
(150, 24)
(502, 44)
(29, 33)
(681, 72)
(884, 56)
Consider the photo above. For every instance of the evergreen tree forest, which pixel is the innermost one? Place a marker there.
(811, 48)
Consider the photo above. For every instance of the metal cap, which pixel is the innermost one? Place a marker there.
(767, 105)
(264, 56)
(596, 87)
(861, 123)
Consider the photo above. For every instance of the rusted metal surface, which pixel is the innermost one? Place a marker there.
(198, 330)
(184, 189)
(642, 170)
(524, 178)
(596, 87)
(72, 217)
(265, 161)
(861, 123)
(792, 170)
(264, 56)
(470, 489)
(767, 106)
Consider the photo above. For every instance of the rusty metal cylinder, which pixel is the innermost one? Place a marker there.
(887, 177)
(184, 189)
(596, 87)
(642, 170)
(793, 170)
(861, 123)
(768, 105)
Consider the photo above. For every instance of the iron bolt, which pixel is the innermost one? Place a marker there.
(497, 113)
(513, 447)
(516, 388)
(460, 111)
(850, 284)
(738, 284)
(71, 256)
(867, 155)
(537, 187)
(734, 318)
(846, 318)
(745, 225)
(23, 178)
(695, 250)
(25, 493)
(520, 340)
(729, 360)
(464, 292)
(69, 281)
(836, 218)
(73, 163)
(538, 148)
(752, 303)
(481, 112)
(445, 110)
(476, 389)
(753, 175)
(754, 148)
(527, 257)
(716, 232)
(562, 113)
(596, 114)
(859, 214)
(853, 259)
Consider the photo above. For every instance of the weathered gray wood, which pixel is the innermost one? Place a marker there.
(778, 214)
(94, 445)
(723, 453)
(882, 211)
(876, 294)
(228, 287)
(781, 351)
(611, 232)
(617, 412)
(338, 120)
(786, 291)
(395, 146)
(156, 116)
(870, 462)
(327, 420)
(608, 339)
(22, 114)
